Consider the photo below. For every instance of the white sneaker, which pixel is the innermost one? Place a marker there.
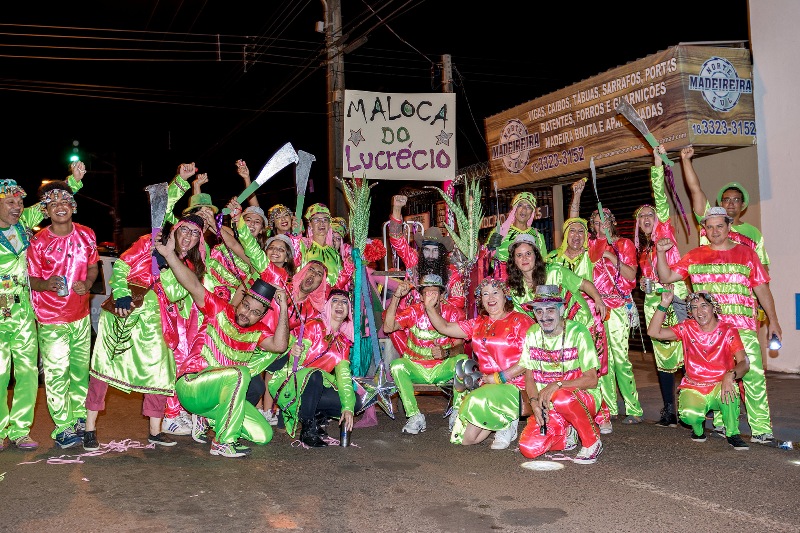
(503, 438)
(606, 428)
(571, 442)
(588, 456)
(416, 424)
(271, 417)
(179, 425)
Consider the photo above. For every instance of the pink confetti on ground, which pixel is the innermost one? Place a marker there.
(113, 446)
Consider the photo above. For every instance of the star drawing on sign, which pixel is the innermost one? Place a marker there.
(378, 391)
(356, 137)
(443, 138)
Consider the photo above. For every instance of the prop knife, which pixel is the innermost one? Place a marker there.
(276, 163)
(625, 109)
(158, 209)
(303, 169)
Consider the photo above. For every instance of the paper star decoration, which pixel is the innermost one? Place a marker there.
(443, 138)
(379, 391)
(356, 137)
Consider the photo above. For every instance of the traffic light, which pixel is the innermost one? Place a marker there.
(75, 155)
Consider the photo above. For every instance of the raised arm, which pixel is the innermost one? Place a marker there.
(665, 273)
(244, 172)
(182, 272)
(657, 184)
(699, 198)
(654, 329)
(450, 329)
(389, 323)
(198, 182)
(577, 191)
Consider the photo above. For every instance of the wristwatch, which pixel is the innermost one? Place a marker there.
(559, 383)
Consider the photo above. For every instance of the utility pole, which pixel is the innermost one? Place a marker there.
(334, 45)
(447, 87)
(447, 73)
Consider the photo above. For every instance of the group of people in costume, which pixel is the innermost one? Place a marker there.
(228, 327)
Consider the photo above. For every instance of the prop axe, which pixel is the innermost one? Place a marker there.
(303, 169)
(276, 163)
(158, 209)
(625, 109)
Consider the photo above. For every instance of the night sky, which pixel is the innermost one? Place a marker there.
(146, 85)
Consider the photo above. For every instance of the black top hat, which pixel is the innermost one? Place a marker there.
(262, 291)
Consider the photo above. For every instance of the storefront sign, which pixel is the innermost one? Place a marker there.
(686, 95)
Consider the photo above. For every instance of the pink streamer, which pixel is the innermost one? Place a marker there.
(675, 198)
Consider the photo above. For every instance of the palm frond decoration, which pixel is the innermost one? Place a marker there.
(356, 192)
(467, 220)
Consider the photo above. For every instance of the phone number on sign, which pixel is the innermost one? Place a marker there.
(723, 127)
(556, 159)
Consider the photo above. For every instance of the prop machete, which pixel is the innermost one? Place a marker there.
(303, 169)
(277, 162)
(158, 210)
(625, 109)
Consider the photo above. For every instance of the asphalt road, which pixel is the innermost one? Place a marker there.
(647, 479)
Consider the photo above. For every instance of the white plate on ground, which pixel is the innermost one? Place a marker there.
(542, 465)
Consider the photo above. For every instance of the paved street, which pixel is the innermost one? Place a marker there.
(647, 479)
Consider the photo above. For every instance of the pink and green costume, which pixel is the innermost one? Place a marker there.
(565, 356)
(18, 337)
(615, 290)
(327, 354)
(668, 354)
(417, 365)
(497, 345)
(729, 276)
(742, 233)
(708, 356)
(215, 382)
(130, 353)
(64, 322)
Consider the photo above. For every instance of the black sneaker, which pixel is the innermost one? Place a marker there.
(737, 442)
(162, 439)
(668, 418)
(699, 438)
(90, 443)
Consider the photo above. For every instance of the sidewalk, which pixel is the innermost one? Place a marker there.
(782, 391)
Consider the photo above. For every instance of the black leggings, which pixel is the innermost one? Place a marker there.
(317, 398)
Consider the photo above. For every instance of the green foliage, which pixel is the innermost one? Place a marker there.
(467, 219)
(356, 192)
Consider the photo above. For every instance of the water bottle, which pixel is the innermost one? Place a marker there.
(344, 435)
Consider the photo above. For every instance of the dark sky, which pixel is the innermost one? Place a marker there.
(148, 84)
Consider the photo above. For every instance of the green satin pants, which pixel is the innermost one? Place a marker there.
(18, 344)
(218, 393)
(65, 350)
(620, 369)
(406, 372)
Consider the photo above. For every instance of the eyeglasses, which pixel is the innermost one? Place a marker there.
(731, 200)
(189, 231)
(320, 220)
